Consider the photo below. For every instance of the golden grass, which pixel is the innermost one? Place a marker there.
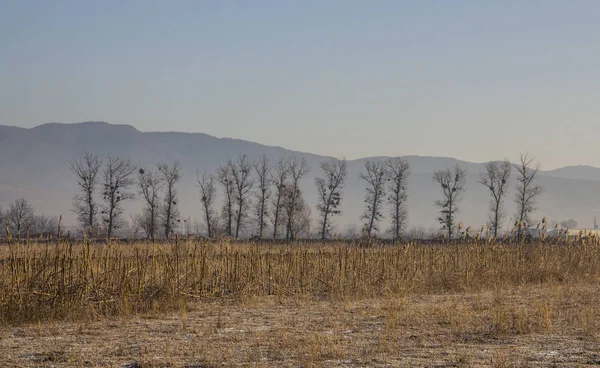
(74, 281)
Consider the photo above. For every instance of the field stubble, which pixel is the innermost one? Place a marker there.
(204, 304)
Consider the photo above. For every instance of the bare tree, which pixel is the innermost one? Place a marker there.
(279, 177)
(117, 181)
(142, 221)
(225, 178)
(375, 177)
(297, 169)
(527, 192)
(241, 170)
(398, 171)
(3, 219)
(86, 171)
(44, 225)
(329, 191)
(208, 193)
(453, 183)
(568, 224)
(171, 175)
(495, 179)
(263, 194)
(138, 223)
(150, 183)
(20, 216)
(296, 213)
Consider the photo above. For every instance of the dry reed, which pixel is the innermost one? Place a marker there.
(63, 280)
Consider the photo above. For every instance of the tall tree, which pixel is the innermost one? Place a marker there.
(398, 171)
(375, 177)
(20, 216)
(279, 177)
(150, 183)
(495, 179)
(241, 170)
(527, 191)
(263, 193)
(225, 178)
(115, 190)
(171, 174)
(208, 195)
(297, 169)
(329, 191)
(452, 182)
(86, 171)
(295, 212)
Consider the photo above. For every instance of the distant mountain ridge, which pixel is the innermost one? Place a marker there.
(34, 164)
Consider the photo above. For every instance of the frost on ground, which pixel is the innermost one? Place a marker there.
(530, 326)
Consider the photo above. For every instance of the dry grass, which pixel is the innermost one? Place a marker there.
(66, 281)
(529, 326)
(201, 304)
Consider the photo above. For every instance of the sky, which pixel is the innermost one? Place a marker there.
(476, 80)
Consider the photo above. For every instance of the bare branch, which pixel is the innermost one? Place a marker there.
(398, 171)
(171, 174)
(495, 179)
(84, 204)
(452, 182)
(375, 176)
(330, 192)
(117, 181)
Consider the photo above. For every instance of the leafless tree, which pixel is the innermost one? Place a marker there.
(375, 177)
(171, 174)
(452, 182)
(208, 193)
(115, 190)
(279, 177)
(568, 224)
(86, 171)
(495, 179)
(297, 169)
(329, 191)
(225, 178)
(3, 220)
(20, 217)
(44, 225)
(527, 191)
(150, 183)
(139, 223)
(142, 221)
(263, 193)
(241, 170)
(398, 171)
(295, 213)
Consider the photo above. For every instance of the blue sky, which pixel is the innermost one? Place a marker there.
(476, 80)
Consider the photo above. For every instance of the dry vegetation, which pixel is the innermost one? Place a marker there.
(212, 304)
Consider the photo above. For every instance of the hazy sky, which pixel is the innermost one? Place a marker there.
(476, 80)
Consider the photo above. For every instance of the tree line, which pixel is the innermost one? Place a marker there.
(254, 195)
(257, 194)
(496, 180)
(21, 220)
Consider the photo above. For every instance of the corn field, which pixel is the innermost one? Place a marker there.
(65, 280)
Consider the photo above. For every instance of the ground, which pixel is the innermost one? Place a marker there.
(540, 325)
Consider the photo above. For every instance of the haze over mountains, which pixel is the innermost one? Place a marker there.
(34, 165)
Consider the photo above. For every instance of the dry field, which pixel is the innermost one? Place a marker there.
(202, 305)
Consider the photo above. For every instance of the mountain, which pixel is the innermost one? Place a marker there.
(576, 172)
(34, 164)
